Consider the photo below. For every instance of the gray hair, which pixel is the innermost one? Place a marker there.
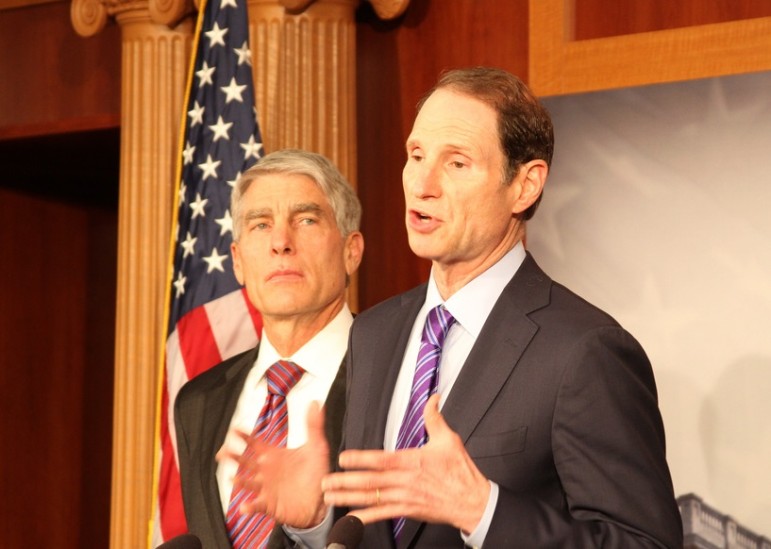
(342, 198)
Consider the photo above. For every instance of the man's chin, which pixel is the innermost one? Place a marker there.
(282, 308)
(423, 246)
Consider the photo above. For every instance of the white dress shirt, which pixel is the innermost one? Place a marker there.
(320, 357)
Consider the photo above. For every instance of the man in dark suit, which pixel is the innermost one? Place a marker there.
(549, 433)
(296, 243)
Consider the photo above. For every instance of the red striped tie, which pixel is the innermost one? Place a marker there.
(253, 530)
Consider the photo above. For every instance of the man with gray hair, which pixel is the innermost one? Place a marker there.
(296, 242)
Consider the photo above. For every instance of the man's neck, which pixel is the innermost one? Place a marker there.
(288, 334)
(451, 278)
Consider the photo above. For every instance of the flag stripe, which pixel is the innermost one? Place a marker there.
(196, 342)
(253, 312)
(227, 316)
(171, 489)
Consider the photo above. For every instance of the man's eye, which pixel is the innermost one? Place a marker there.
(457, 164)
(307, 221)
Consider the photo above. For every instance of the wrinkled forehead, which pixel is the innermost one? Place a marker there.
(448, 107)
(451, 118)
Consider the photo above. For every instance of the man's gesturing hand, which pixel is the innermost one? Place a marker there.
(286, 483)
(436, 483)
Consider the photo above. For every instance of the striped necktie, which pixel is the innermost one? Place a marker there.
(412, 433)
(253, 530)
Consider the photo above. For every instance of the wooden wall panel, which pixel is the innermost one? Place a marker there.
(562, 64)
(600, 18)
(52, 79)
(397, 62)
(56, 335)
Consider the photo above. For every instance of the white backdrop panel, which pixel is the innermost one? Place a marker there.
(658, 210)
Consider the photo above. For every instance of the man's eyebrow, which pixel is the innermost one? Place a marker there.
(299, 208)
(307, 207)
(257, 212)
(462, 147)
(446, 148)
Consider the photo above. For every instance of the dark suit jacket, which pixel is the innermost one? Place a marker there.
(556, 403)
(202, 414)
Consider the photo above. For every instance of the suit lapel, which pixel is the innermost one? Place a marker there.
(504, 337)
(484, 373)
(334, 411)
(218, 408)
(392, 343)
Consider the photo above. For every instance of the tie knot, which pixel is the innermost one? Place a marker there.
(282, 376)
(438, 323)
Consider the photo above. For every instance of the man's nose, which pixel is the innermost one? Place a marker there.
(424, 180)
(282, 239)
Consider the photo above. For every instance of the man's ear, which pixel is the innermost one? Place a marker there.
(354, 250)
(530, 182)
(234, 252)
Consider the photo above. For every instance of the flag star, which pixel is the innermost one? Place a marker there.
(196, 115)
(179, 284)
(244, 54)
(232, 182)
(220, 129)
(225, 222)
(214, 261)
(182, 192)
(233, 91)
(209, 167)
(216, 35)
(187, 154)
(198, 206)
(189, 245)
(225, 3)
(251, 149)
(205, 75)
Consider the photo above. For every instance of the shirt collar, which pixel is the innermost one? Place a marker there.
(471, 305)
(322, 354)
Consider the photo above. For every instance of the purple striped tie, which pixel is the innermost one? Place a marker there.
(253, 530)
(412, 433)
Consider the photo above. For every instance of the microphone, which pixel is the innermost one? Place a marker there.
(185, 541)
(346, 533)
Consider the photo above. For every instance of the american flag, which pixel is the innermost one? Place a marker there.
(210, 317)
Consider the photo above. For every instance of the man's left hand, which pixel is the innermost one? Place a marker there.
(437, 483)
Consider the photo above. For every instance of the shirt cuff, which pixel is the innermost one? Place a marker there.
(314, 537)
(476, 538)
